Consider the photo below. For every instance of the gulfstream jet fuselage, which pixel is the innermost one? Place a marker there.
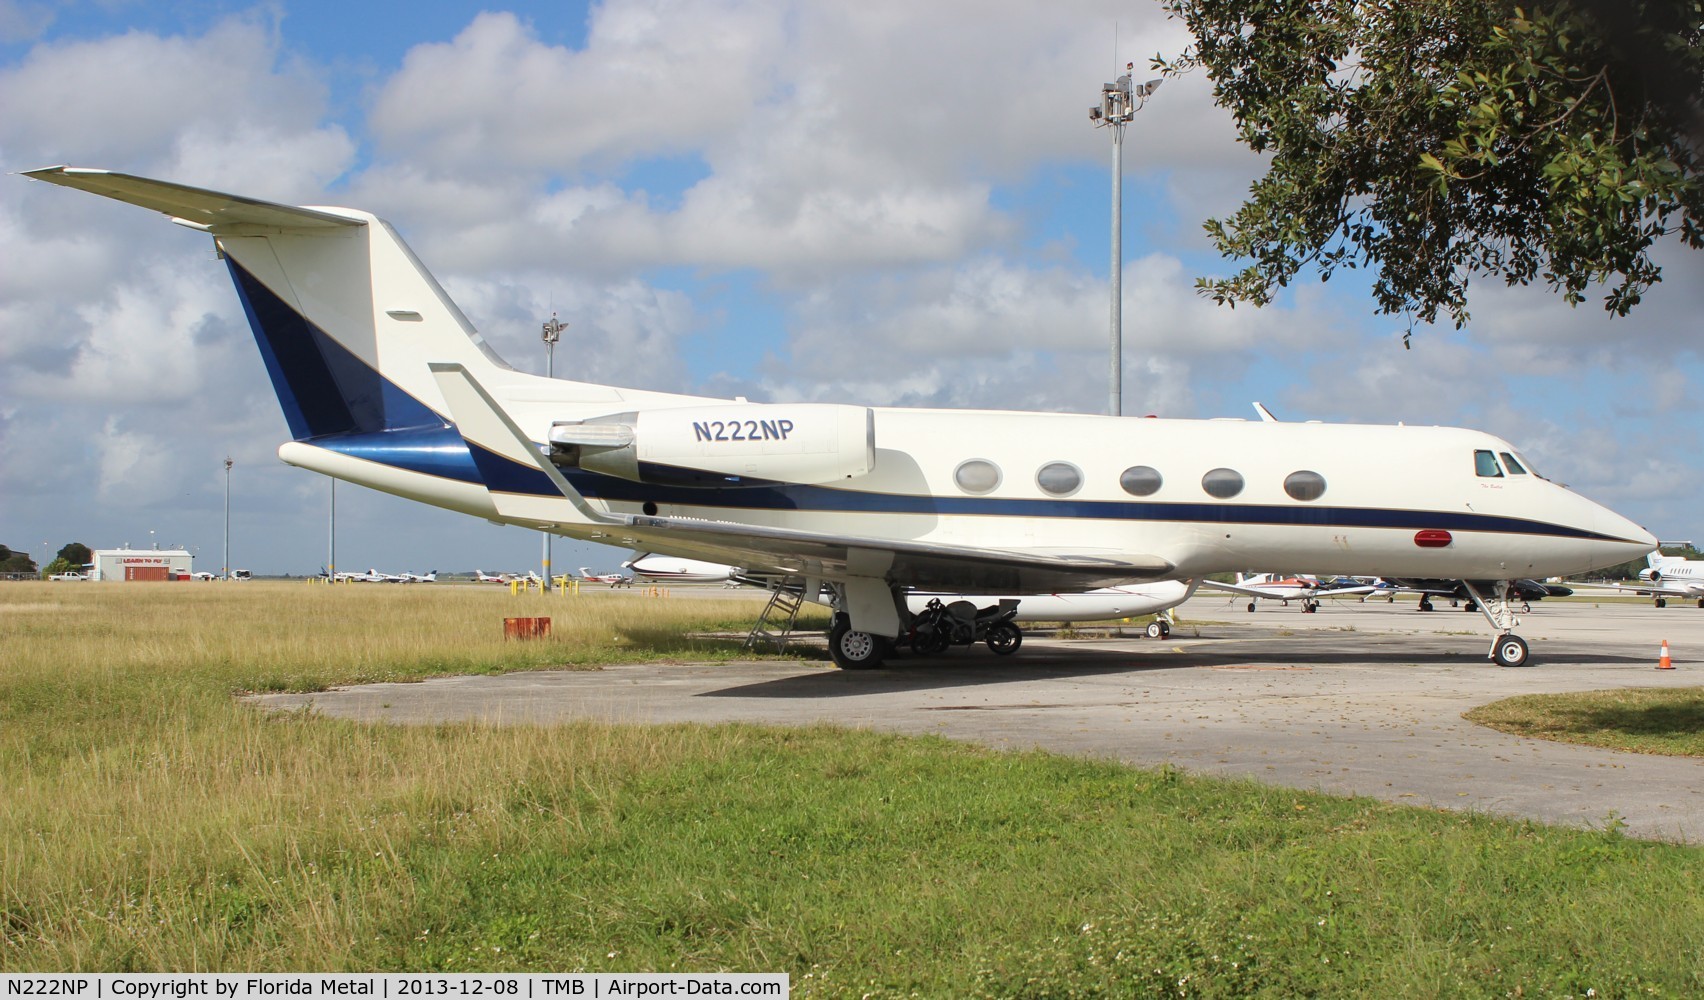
(385, 383)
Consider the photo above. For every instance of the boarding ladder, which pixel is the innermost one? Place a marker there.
(775, 624)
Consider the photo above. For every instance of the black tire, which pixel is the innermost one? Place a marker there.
(1510, 651)
(1661, 603)
(1165, 629)
(931, 642)
(1424, 605)
(1004, 639)
(1470, 606)
(1251, 605)
(1155, 631)
(854, 650)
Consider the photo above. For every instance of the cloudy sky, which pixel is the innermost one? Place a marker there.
(884, 202)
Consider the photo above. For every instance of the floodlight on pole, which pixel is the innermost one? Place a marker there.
(225, 571)
(1119, 103)
(552, 333)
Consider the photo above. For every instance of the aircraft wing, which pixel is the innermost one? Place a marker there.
(1338, 591)
(1237, 588)
(1656, 588)
(929, 565)
(494, 438)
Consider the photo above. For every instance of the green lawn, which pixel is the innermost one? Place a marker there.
(150, 821)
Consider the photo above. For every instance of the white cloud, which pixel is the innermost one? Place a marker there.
(653, 78)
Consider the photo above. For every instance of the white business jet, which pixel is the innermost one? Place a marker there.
(385, 383)
(1662, 578)
(656, 567)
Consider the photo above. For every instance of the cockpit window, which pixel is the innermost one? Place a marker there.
(1515, 468)
(1485, 464)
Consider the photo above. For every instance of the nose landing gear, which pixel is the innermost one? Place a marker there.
(1507, 649)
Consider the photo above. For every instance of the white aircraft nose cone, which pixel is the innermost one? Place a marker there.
(1632, 540)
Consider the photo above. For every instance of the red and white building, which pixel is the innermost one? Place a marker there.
(141, 564)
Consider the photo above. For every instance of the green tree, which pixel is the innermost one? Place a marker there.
(77, 555)
(15, 562)
(1432, 141)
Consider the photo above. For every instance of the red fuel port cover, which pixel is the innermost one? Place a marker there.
(1432, 538)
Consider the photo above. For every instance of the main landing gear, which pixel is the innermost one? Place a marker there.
(854, 650)
(1508, 649)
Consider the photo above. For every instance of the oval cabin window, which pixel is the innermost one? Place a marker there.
(1304, 485)
(977, 476)
(1059, 478)
(1222, 483)
(1141, 481)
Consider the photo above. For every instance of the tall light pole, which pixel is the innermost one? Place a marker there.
(226, 573)
(1119, 103)
(331, 537)
(552, 333)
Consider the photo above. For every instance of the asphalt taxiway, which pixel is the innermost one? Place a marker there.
(1362, 699)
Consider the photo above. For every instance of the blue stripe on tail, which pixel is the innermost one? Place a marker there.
(323, 388)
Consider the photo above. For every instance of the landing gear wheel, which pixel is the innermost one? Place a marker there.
(1701, 602)
(1470, 607)
(1661, 603)
(854, 650)
(1165, 629)
(1510, 651)
(1156, 631)
(1004, 639)
(1251, 605)
(1309, 608)
(1526, 607)
(1425, 605)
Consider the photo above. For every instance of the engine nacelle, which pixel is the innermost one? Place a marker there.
(723, 445)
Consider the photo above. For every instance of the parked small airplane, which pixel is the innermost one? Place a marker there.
(384, 382)
(1284, 589)
(480, 576)
(406, 577)
(613, 579)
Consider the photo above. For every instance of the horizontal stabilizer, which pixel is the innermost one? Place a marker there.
(198, 206)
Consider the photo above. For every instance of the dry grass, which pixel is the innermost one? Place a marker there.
(123, 756)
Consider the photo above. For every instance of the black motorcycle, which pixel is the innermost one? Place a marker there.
(961, 623)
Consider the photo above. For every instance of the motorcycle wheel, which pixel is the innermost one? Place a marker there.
(1004, 639)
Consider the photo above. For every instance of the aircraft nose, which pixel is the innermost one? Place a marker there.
(1624, 540)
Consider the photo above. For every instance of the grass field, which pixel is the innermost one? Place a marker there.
(1643, 720)
(150, 821)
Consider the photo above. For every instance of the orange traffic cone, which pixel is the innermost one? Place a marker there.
(1663, 661)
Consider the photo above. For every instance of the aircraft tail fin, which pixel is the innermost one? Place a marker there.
(346, 317)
